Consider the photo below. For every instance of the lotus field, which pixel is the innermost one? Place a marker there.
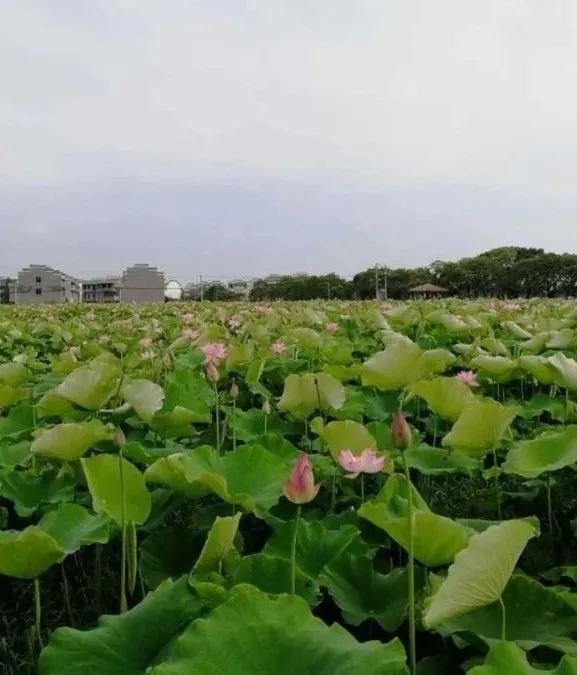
(321, 488)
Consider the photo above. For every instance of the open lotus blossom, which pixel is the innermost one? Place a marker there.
(331, 327)
(300, 488)
(190, 334)
(187, 318)
(367, 462)
(214, 353)
(278, 347)
(234, 322)
(147, 355)
(144, 343)
(467, 377)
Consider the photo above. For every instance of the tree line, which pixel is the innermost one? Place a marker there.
(506, 272)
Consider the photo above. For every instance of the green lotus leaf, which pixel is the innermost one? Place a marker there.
(19, 420)
(499, 368)
(306, 393)
(250, 424)
(317, 545)
(252, 633)
(539, 367)
(506, 657)
(10, 395)
(516, 330)
(566, 370)
(534, 616)
(546, 453)
(445, 396)
(93, 385)
(14, 454)
(13, 374)
(307, 338)
(273, 575)
(72, 526)
(70, 441)
(176, 423)
(53, 405)
(144, 396)
(480, 571)
(127, 644)
(361, 593)
(535, 344)
(28, 553)
(434, 461)
(218, 543)
(494, 347)
(169, 553)
(480, 427)
(349, 435)
(29, 490)
(186, 389)
(437, 539)
(119, 493)
(560, 339)
(171, 472)
(402, 363)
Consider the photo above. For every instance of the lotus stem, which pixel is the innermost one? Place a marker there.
(66, 590)
(123, 603)
(294, 551)
(217, 410)
(362, 487)
(37, 613)
(497, 486)
(234, 423)
(503, 619)
(549, 507)
(411, 574)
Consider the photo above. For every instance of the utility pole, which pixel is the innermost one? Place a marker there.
(376, 281)
(201, 289)
(386, 293)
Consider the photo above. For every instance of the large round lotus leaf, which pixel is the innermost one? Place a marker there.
(539, 367)
(497, 367)
(437, 539)
(144, 396)
(445, 396)
(306, 338)
(560, 339)
(14, 454)
(549, 452)
(122, 497)
(535, 344)
(273, 575)
(480, 572)
(13, 374)
(30, 490)
(169, 553)
(52, 405)
(347, 434)
(507, 658)
(566, 370)
(205, 470)
(73, 526)
(517, 331)
(317, 545)
(126, 644)
(362, 593)
(70, 441)
(402, 363)
(253, 634)
(306, 393)
(218, 543)
(494, 346)
(434, 461)
(19, 420)
(480, 427)
(10, 395)
(28, 553)
(175, 423)
(93, 385)
(171, 472)
(535, 615)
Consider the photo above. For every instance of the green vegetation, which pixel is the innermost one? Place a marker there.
(321, 487)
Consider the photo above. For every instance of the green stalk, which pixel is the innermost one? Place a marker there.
(549, 507)
(411, 570)
(234, 423)
(503, 620)
(123, 602)
(294, 552)
(37, 613)
(217, 410)
(497, 486)
(67, 603)
(98, 576)
(362, 487)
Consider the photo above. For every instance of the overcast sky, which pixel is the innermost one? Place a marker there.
(231, 137)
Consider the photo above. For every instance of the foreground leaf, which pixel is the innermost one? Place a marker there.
(506, 657)
(69, 442)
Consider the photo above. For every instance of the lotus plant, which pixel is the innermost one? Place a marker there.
(467, 377)
(299, 489)
(214, 354)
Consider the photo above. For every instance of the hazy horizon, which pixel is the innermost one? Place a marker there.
(240, 139)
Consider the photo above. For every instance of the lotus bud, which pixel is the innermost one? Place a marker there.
(119, 438)
(266, 409)
(234, 390)
(300, 488)
(400, 432)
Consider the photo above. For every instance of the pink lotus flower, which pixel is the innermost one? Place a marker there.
(300, 488)
(187, 318)
(278, 347)
(147, 355)
(214, 352)
(144, 343)
(234, 322)
(467, 377)
(400, 432)
(367, 462)
(190, 334)
(234, 390)
(331, 327)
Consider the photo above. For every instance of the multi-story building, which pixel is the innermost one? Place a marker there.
(7, 290)
(105, 289)
(40, 284)
(142, 283)
(241, 287)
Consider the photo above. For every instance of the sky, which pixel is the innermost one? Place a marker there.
(246, 137)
